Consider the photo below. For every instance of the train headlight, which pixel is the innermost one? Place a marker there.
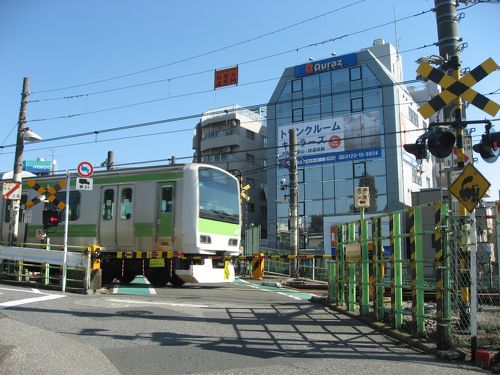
(233, 242)
(205, 239)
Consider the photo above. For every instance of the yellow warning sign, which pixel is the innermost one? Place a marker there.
(244, 190)
(469, 187)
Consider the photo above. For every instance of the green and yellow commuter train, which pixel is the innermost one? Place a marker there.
(138, 215)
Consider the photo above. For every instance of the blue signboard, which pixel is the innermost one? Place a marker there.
(326, 65)
(37, 166)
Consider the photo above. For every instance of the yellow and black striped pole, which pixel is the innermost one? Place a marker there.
(443, 301)
(417, 270)
(396, 270)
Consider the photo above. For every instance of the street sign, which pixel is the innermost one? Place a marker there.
(27, 216)
(469, 187)
(453, 88)
(85, 169)
(84, 183)
(11, 190)
(362, 197)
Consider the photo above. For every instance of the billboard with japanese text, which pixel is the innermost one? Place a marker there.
(355, 136)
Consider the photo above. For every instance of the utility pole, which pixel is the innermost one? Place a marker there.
(18, 161)
(294, 217)
(449, 49)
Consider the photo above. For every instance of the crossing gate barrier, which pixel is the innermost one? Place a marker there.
(258, 266)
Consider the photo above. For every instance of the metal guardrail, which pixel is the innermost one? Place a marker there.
(35, 264)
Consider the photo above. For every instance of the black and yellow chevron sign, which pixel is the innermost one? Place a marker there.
(243, 193)
(453, 88)
(41, 192)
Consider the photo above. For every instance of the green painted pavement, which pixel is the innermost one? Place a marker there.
(138, 286)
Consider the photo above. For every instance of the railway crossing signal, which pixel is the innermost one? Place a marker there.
(440, 143)
(51, 218)
(41, 193)
(489, 147)
(453, 88)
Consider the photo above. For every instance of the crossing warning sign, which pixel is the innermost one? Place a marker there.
(469, 187)
(453, 88)
(41, 191)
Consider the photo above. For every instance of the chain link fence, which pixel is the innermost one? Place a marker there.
(474, 284)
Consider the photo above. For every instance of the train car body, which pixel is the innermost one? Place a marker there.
(193, 209)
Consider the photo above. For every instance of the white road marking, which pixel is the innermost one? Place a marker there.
(29, 300)
(151, 289)
(155, 303)
(18, 290)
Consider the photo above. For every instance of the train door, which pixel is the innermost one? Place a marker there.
(165, 223)
(116, 227)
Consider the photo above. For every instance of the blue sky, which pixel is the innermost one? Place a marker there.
(177, 45)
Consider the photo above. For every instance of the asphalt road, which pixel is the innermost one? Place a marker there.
(238, 328)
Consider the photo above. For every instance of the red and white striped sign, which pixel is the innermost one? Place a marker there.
(11, 190)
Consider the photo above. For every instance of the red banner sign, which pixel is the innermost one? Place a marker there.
(226, 77)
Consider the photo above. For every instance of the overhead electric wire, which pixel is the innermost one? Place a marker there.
(239, 64)
(199, 115)
(199, 92)
(202, 54)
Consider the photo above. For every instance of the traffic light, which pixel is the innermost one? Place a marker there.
(418, 149)
(51, 218)
(440, 143)
(489, 147)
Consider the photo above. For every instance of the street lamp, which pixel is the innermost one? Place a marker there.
(24, 134)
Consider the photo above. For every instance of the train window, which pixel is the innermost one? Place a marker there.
(126, 204)
(22, 208)
(166, 199)
(107, 207)
(218, 195)
(73, 205)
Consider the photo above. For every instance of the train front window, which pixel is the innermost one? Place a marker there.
(219, 198)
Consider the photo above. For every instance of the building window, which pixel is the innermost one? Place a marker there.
(359, 169)
(356, 104)
(416, 176)
(264, 140)
(250, 158)
(297, 85)
(250, 134)
(413, 116)
(355, 73)
(297, 115)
